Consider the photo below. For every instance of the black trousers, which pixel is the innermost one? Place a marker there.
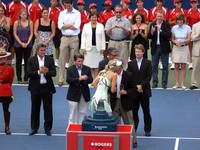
(6, 103)
(144, 102)
(44, 96)
(20, 52)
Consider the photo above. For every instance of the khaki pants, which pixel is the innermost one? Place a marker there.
(127, 117)
(121, 47)
(195, 71)
(69, 46)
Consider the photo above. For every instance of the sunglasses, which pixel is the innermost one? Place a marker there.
(118, 12)
(193, 2)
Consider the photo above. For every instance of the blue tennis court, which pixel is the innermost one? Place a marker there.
(175, 114)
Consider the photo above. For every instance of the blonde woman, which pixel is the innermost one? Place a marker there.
(105, 80)
(23, 33)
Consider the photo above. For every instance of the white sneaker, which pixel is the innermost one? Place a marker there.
(172, 66)
(190, 67)
(67, 65)
(170, 60)
(13, 61)
(23, 61)
(57, 63)
(160, 66)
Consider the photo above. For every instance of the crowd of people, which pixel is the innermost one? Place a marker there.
(63, 29)
(82, 40)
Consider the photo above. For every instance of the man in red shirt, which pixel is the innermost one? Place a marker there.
(127, 12)
(176, 10)
(107, 13)
(159, 6)
(80, 5)
(13, 8)
(104, 16)
(141, 9)
(92, 10)
(192, 17)
(35, 10)
(54, 12)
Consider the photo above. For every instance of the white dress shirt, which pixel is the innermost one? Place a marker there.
(41, 64)
(119, 79)
(66, 17)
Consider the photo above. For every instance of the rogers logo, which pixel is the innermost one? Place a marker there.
(100, 144)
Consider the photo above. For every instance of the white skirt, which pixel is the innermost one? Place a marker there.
(92, 58)
(180, 54)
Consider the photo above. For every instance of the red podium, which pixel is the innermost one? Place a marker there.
(90, 140)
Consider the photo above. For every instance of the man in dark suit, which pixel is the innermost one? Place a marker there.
(40, 70)
(78, 78)
(141, 70)
(121, 100)
(160, 34)
(112, 53)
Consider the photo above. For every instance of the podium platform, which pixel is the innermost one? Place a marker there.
(89, 140)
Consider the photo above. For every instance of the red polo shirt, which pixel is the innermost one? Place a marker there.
(13, 10)
(54, 14)
(173, 13)
(144, 11)
(193, 16)
(128, 13)
(35, 12)
(84, 15)
(105, 15)
(153, 11)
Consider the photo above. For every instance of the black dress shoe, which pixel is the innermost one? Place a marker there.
(147, 133)
(48, 133)
(154, 85)
(33, 132)
(135, 145)
(193, 87)
(164, 86)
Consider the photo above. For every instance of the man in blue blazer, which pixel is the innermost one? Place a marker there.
(78, 78)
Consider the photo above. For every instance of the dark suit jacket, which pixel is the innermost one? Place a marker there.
(102, 64)
(76, 87)
(142, 76)
(32, 72)
(165, 36)
(126, 100)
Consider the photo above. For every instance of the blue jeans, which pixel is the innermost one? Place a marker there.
(155, 61)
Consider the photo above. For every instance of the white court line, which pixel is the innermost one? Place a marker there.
(38, 134)
(140, 137)
(170, 138)
(176, 144)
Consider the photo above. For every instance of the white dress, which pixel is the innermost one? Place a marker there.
(102, 93)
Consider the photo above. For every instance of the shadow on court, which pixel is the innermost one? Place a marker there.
(175, 114)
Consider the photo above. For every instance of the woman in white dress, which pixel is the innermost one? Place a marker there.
(105, 80)
(93, 43)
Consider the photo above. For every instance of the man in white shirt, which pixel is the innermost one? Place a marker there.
(40, 70)
(69, 22)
